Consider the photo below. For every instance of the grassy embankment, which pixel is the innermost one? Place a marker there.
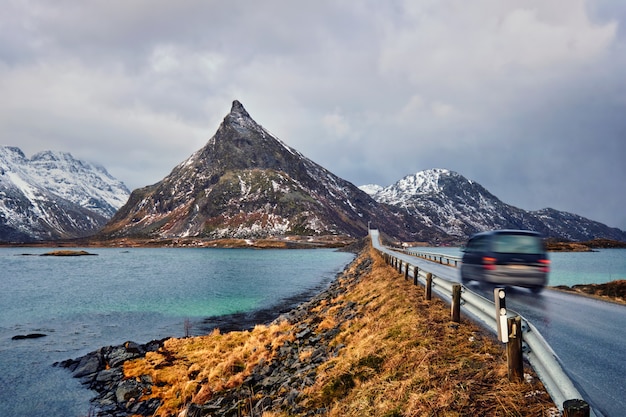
(399, 355)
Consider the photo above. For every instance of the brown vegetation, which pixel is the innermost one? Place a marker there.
(399, 355)
(614, 291)
(194, 369)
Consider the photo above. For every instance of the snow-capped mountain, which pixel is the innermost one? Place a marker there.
(247, 183)
(459, 207)
(54, 196)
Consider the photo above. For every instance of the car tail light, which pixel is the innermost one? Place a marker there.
(545, 265)
(489, 263)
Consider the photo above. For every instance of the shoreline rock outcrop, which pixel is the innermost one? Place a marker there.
(28, 336)
(102, 371)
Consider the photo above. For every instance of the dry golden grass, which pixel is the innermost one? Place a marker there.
(193, 369)
(401, 356)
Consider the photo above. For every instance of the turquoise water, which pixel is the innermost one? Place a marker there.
(83, 303)
(571, 268)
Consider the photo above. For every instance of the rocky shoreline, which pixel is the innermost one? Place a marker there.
(102, 372)
(274, 385)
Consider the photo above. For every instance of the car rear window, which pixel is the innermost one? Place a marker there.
(513, 243)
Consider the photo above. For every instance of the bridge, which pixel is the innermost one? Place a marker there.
(585, 335)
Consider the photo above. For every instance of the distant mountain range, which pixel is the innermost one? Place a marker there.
(459, 207)
(246, 183)
(54, 196)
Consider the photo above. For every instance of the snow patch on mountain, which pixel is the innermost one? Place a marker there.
(371, 189)
(421, 183)
(23, 186)
(86, 184)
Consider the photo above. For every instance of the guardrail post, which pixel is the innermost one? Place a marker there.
(514, 349)
(456, 303)
(429, 286)
(575, 408)
(499, 300)
(406, 272)
(416, 272)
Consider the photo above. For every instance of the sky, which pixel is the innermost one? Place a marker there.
(525, 97)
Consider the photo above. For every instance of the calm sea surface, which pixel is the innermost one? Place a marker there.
(83, 303)
(571, 268)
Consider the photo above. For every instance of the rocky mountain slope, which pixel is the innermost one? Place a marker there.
(246, 183)
(459, 207)
(54, 196)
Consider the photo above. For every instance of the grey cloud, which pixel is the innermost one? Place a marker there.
(526, 99)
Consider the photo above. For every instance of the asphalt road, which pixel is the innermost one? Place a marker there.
(587, 335)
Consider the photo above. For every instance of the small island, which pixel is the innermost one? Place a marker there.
(68, 253)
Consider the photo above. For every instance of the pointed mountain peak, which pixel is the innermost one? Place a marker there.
(238, 109)
(240, 120)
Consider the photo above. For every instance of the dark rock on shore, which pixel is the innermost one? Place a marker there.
(28, 336)
(102, 372)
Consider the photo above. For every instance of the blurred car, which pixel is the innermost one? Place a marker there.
(506, 257)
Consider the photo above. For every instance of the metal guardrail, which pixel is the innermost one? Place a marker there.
(536, 350)
(434, 257)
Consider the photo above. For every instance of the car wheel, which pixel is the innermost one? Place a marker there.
(536, 290)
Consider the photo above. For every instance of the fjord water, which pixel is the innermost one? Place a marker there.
(83, 303)
(571, 268)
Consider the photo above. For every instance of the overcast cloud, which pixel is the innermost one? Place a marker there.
(528, 98)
